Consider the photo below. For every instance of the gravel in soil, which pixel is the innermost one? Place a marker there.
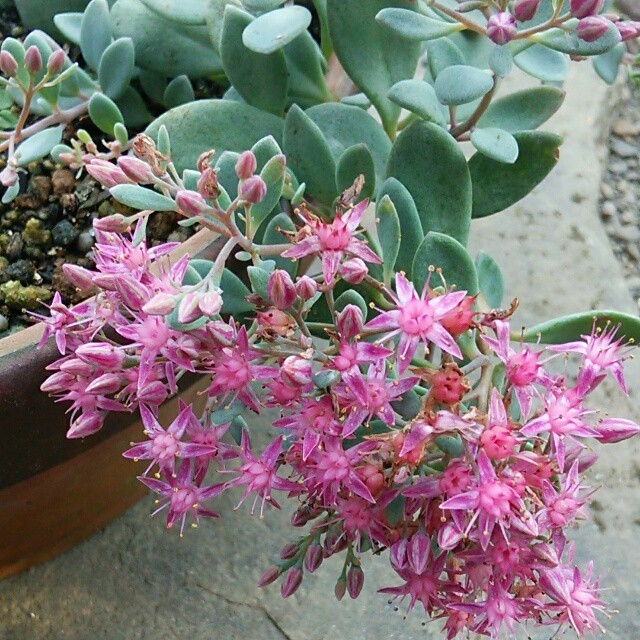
(620, 188)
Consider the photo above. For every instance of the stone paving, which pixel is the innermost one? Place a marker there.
(136, 581)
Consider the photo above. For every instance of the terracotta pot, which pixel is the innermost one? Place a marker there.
(55, 492)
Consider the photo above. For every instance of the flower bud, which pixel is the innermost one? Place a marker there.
(211, 303)
(340, 588)
(8, 64)
(460, 318)
(525, 10)
(350, 322)
(281, 290)
(288, 551)
(80, 278)
(56, 61)
(449, 536)
(270, 575)
(101, 354)
(161, 304)
(85, 425)
(616, 430)
(584, 8)
(306, 287)
(355, 581)
(138, 170)
(133, 293)
(628, 30)
(292, 581)
(501, 27)
(297, 370)
(190, 202)
(246, 165)
(8, 176)
(253, 190)
(76, 367)
(107, 174)
(208, 186)
(58, 382)
(398, 555)
(448, 386)
(105, 384)
(592, 28)
(116, 223)
(313, 559)
(354, 270)
(152, 393)
(33, 60)
(189, 308)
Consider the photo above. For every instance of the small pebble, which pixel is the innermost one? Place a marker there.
(85, 241)
(64, 233)
(607, 192)
(608, 210)
(624, 149)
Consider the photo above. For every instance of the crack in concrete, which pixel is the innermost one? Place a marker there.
(256, 606)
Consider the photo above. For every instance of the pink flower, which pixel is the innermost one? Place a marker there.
(332, 241)
(418, 318)
(564, 506)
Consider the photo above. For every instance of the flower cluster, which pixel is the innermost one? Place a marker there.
(422, 430)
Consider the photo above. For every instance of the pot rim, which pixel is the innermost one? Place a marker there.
(30, 336)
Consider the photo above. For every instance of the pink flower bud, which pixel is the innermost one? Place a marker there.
(191, 202)
(56, 61)
(253, 190)
(398, 555)
(306, 287)
(101, 354)
(107, 174)
(246, 165)
(354, 270)
(208, 186)
(270, 575)
(313, 559)
(76, 367)
(350, 322)
(592, 28)
(628, 30)
(584, 8)
(211, 303)
(86, 425)
(340, 589)
(449, 536)
(501, 27)
(355, 581)
(58, 382)
(105, 281)
(289, 550)
(116, 223)
(8, 64)
(80, 278)
(292, 581)
(8, 176)
(460, 318)
(616, 430)
(300, 517)
(189, 308)
(281, 289)
(33, 60)
(525, 9)
(297, 370)
(133, 293)
(161, 304)
(153, 393)
(105, 384)
(138, 170)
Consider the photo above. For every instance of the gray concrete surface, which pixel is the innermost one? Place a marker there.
(136, 581)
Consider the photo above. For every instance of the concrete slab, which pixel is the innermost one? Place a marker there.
(136, 581)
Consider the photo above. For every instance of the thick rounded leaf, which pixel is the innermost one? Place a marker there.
(273, 174)
(351, 297)
(501, 61)
(570, 43)
(497, 186)
(431, 165)
(260, 79)
(414, 26)
(276, 29)
(134, 110)
(190, 12)
(344, 126)
(272, 235)
(523, 110)
(69, 25)
(179, 91)
(571, 327)
(495, 143)
(490, 279)
(305, 65)
(265, 149)
(95, 32)
(227, 176)
(104, 113)
(460, 84)
(214, 124)
(389, 234)
(215, 18)
(235, 294)
(607, 65)
(116, 67)
(441, 54)
(444, 252)
(141, 198)
(309, 155)
(543, 63)
(418, 97)
(263, 5)
(374, 57)
(38, 145)
(411, 233)
(356, 161)
(166, 47)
